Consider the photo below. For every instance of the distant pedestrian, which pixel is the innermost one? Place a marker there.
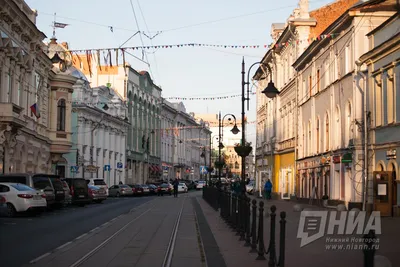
(268, 189)
(120, 182)
(175, 184)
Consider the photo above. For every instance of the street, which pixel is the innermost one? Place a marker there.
(25, 238)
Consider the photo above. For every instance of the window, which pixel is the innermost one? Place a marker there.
(9, 86)
(391, 99)
(348, 123)
(309, 138)
(19, 88)
(327, 132)
(22, 187)
(61, 115)
(317, 133)
(337, 127)
(318, 81)
(378, 101)
(310, 85)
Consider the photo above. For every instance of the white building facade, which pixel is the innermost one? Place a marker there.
(99, 127)
(35, 95)
(185, 143)
(329, 146)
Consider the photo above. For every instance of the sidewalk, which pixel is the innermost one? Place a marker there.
(321, 252)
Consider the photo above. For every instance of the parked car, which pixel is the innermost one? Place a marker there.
(79, 191)
(99, 183)
(67, 193)
(250, 187)
(59, 194)
(146, 189)
(164, 189)
(182, 188)
(191, 185)
(120, 190)
(153, 189)
(200, 185)
(136, 189)
(97, 194)
(40, 182)
(21, 198)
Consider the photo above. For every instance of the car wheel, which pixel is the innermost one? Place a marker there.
(117, 195)
(11, 212)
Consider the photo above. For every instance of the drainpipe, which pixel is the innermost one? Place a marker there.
(364, 181)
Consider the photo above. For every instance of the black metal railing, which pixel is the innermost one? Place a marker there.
(211, 195)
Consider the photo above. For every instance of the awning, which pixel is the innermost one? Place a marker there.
(158, 168)
(151, 168)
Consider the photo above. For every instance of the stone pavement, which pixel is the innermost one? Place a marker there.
(321, 252)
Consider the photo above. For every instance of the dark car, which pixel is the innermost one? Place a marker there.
(137, 189)
(79, 191)
(164, 189)
(152, 188)
(58, 190)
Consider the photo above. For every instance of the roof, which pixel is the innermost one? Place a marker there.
(389, 20)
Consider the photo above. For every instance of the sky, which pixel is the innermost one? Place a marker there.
(184, 71)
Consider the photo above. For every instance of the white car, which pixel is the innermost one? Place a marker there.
(20, 198)
(200, 185)
(250, 187)
(98, 182)
(182, 188)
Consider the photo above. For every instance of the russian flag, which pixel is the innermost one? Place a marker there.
(35, 110)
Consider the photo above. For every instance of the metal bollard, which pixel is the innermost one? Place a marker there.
(238, 212)
(247, 223)
(260, 234)
(254, 227)
(282, 236)
(271, 248)
(369, 249)
(242, 215)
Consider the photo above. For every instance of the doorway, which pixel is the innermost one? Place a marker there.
(286, 183)
(383, 192)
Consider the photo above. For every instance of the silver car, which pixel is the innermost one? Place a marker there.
(250, 187)
(120, 190)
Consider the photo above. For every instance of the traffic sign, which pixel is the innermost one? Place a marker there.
(91, 168)
(74, 168)
(203, 170)
(107, 168)
(119, 165)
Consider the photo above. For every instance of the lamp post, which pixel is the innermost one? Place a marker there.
(234, 130)
(146, 147)
(270, 91)
(203, 155)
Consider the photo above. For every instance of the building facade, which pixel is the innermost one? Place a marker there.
(35, 95)
(381, 80)
(143, 97)
(329, 147)
(277, 118)
(185, 143)
(99, 129)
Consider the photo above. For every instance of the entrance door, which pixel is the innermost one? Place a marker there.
(383, 192)
(286, 178)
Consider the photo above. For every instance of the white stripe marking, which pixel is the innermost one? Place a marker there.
(79, 237)
(39, 258)
(63, 246)
(94, 229)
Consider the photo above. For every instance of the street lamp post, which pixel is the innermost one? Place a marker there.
(146, 147)
(270, 91)
(234, 130)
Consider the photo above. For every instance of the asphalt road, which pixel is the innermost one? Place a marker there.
(25, 238)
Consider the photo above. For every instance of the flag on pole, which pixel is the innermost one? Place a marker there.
(35, 110)
(60, 25)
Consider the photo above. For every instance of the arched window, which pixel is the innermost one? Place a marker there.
(337, 128)
(304, 140)
(317, 136)
(327, 133)
(61, 115)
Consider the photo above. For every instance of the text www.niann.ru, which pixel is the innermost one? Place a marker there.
(351, 247)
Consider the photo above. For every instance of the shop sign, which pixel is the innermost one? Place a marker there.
(347, 158)
(391, 154)
(336, 159)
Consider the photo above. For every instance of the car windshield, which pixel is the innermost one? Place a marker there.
(202, 182)
(22, 187)
(41, 182)
(182, 184)
(124, 186)
(93, 187)
(99, 182)
(145, 186)
(56, 183)
(79, 183)
(164, 185)
(13, 179)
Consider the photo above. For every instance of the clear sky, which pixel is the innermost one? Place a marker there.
(185, 71)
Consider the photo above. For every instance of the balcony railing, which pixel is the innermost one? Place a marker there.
(286, 144)
(10, 112)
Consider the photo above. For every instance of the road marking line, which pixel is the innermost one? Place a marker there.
(90, 253)
(94, 229)
(63, 246)
(104, 224)
(79, 237)
(39, 258)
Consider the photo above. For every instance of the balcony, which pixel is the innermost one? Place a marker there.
(286, 144)
(12, 113)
